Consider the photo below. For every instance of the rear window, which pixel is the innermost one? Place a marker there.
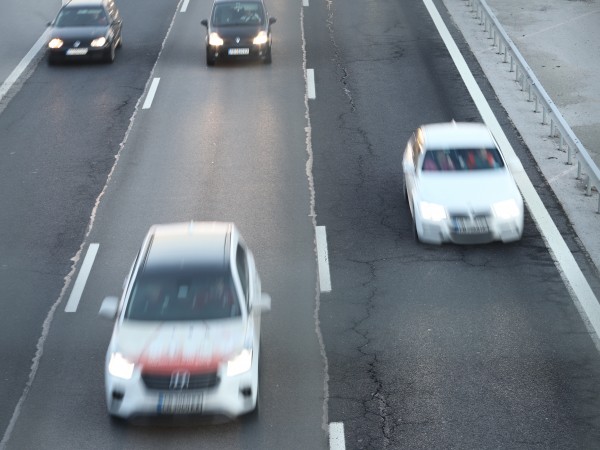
(462, 159)
(81, 17)
(177, 297)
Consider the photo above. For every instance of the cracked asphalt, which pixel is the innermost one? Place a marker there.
(432, 347)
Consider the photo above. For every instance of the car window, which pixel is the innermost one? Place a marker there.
(237, 13)
(81, 17)
(464, 159)
(242, 268)
(179, 297)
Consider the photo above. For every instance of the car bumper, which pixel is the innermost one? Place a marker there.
(249, 52)
(231, 397)
(67, 54)
(438, 232)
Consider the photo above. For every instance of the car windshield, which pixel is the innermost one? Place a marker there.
(173, 297)
(81, 17)
(237, 13)
(462, 159)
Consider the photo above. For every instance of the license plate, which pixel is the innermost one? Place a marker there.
(239, 51)
(179, 403)
(77, 51)
(466, 226)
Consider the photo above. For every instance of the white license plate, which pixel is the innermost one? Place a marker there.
(239, 51)
(466, 226)
(179, 403)
(77, 51)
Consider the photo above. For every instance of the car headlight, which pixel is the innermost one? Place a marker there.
(55, 43)
(120, 367)
(261, 38)
(240, 363)
(433, 211)
(98, 42)
(506, 209)
(214, 39)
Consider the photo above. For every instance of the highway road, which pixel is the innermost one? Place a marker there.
(414, 347)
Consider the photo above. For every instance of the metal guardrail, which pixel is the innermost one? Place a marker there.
(587, 170)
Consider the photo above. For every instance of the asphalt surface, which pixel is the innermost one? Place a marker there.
(426, 347)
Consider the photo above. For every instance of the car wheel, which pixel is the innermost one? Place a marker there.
(268, 59)
(109, 56)
(210, 60)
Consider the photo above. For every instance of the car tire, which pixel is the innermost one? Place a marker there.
(268, 59)
(52, 60)
(210, 61)
(109, 56)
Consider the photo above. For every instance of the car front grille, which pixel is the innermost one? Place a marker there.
(196, 381)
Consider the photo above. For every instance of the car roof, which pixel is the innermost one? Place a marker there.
(236, 1)
(456, 134)
(188, 246)
(85, 3)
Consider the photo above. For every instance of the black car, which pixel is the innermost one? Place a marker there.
(238, 29)
(85, 29)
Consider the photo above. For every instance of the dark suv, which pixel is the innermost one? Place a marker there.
(238, 29)
(85, 29)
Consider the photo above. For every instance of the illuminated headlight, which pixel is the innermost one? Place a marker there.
(120, 367)
(55, 43)
(214, 39)
(507, 209)
(433, 211)
(98, 42)
(261, 38)
(240, 363)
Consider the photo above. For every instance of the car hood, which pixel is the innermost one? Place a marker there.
(78, 32)
(238, 31)
(473, 189)
(166, 346)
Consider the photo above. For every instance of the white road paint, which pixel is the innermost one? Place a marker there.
(184, 6)
(323, 259)
(22, 66)
(337, 441)
(313, 218)
(310, 84)
(84, 272)
(151, 93)
(305, 3)
(580, 290)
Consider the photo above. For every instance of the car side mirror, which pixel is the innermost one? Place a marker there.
(109, 307)
(272, 20)
(263, 304)
(204, 22)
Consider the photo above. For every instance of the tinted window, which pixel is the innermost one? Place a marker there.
(462, 159)
(176, 296)
(242, 269)
(81, 17)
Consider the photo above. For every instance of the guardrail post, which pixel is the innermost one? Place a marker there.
(579, 171)
(543, 115)
(528, 90)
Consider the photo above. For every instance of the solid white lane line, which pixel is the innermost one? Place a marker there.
(22, 66)
(304, 2)
(151, 93)
(567, 266)
(310, 83)
(84, 272)
(337, 441)
(323, 260)
(185, 5)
